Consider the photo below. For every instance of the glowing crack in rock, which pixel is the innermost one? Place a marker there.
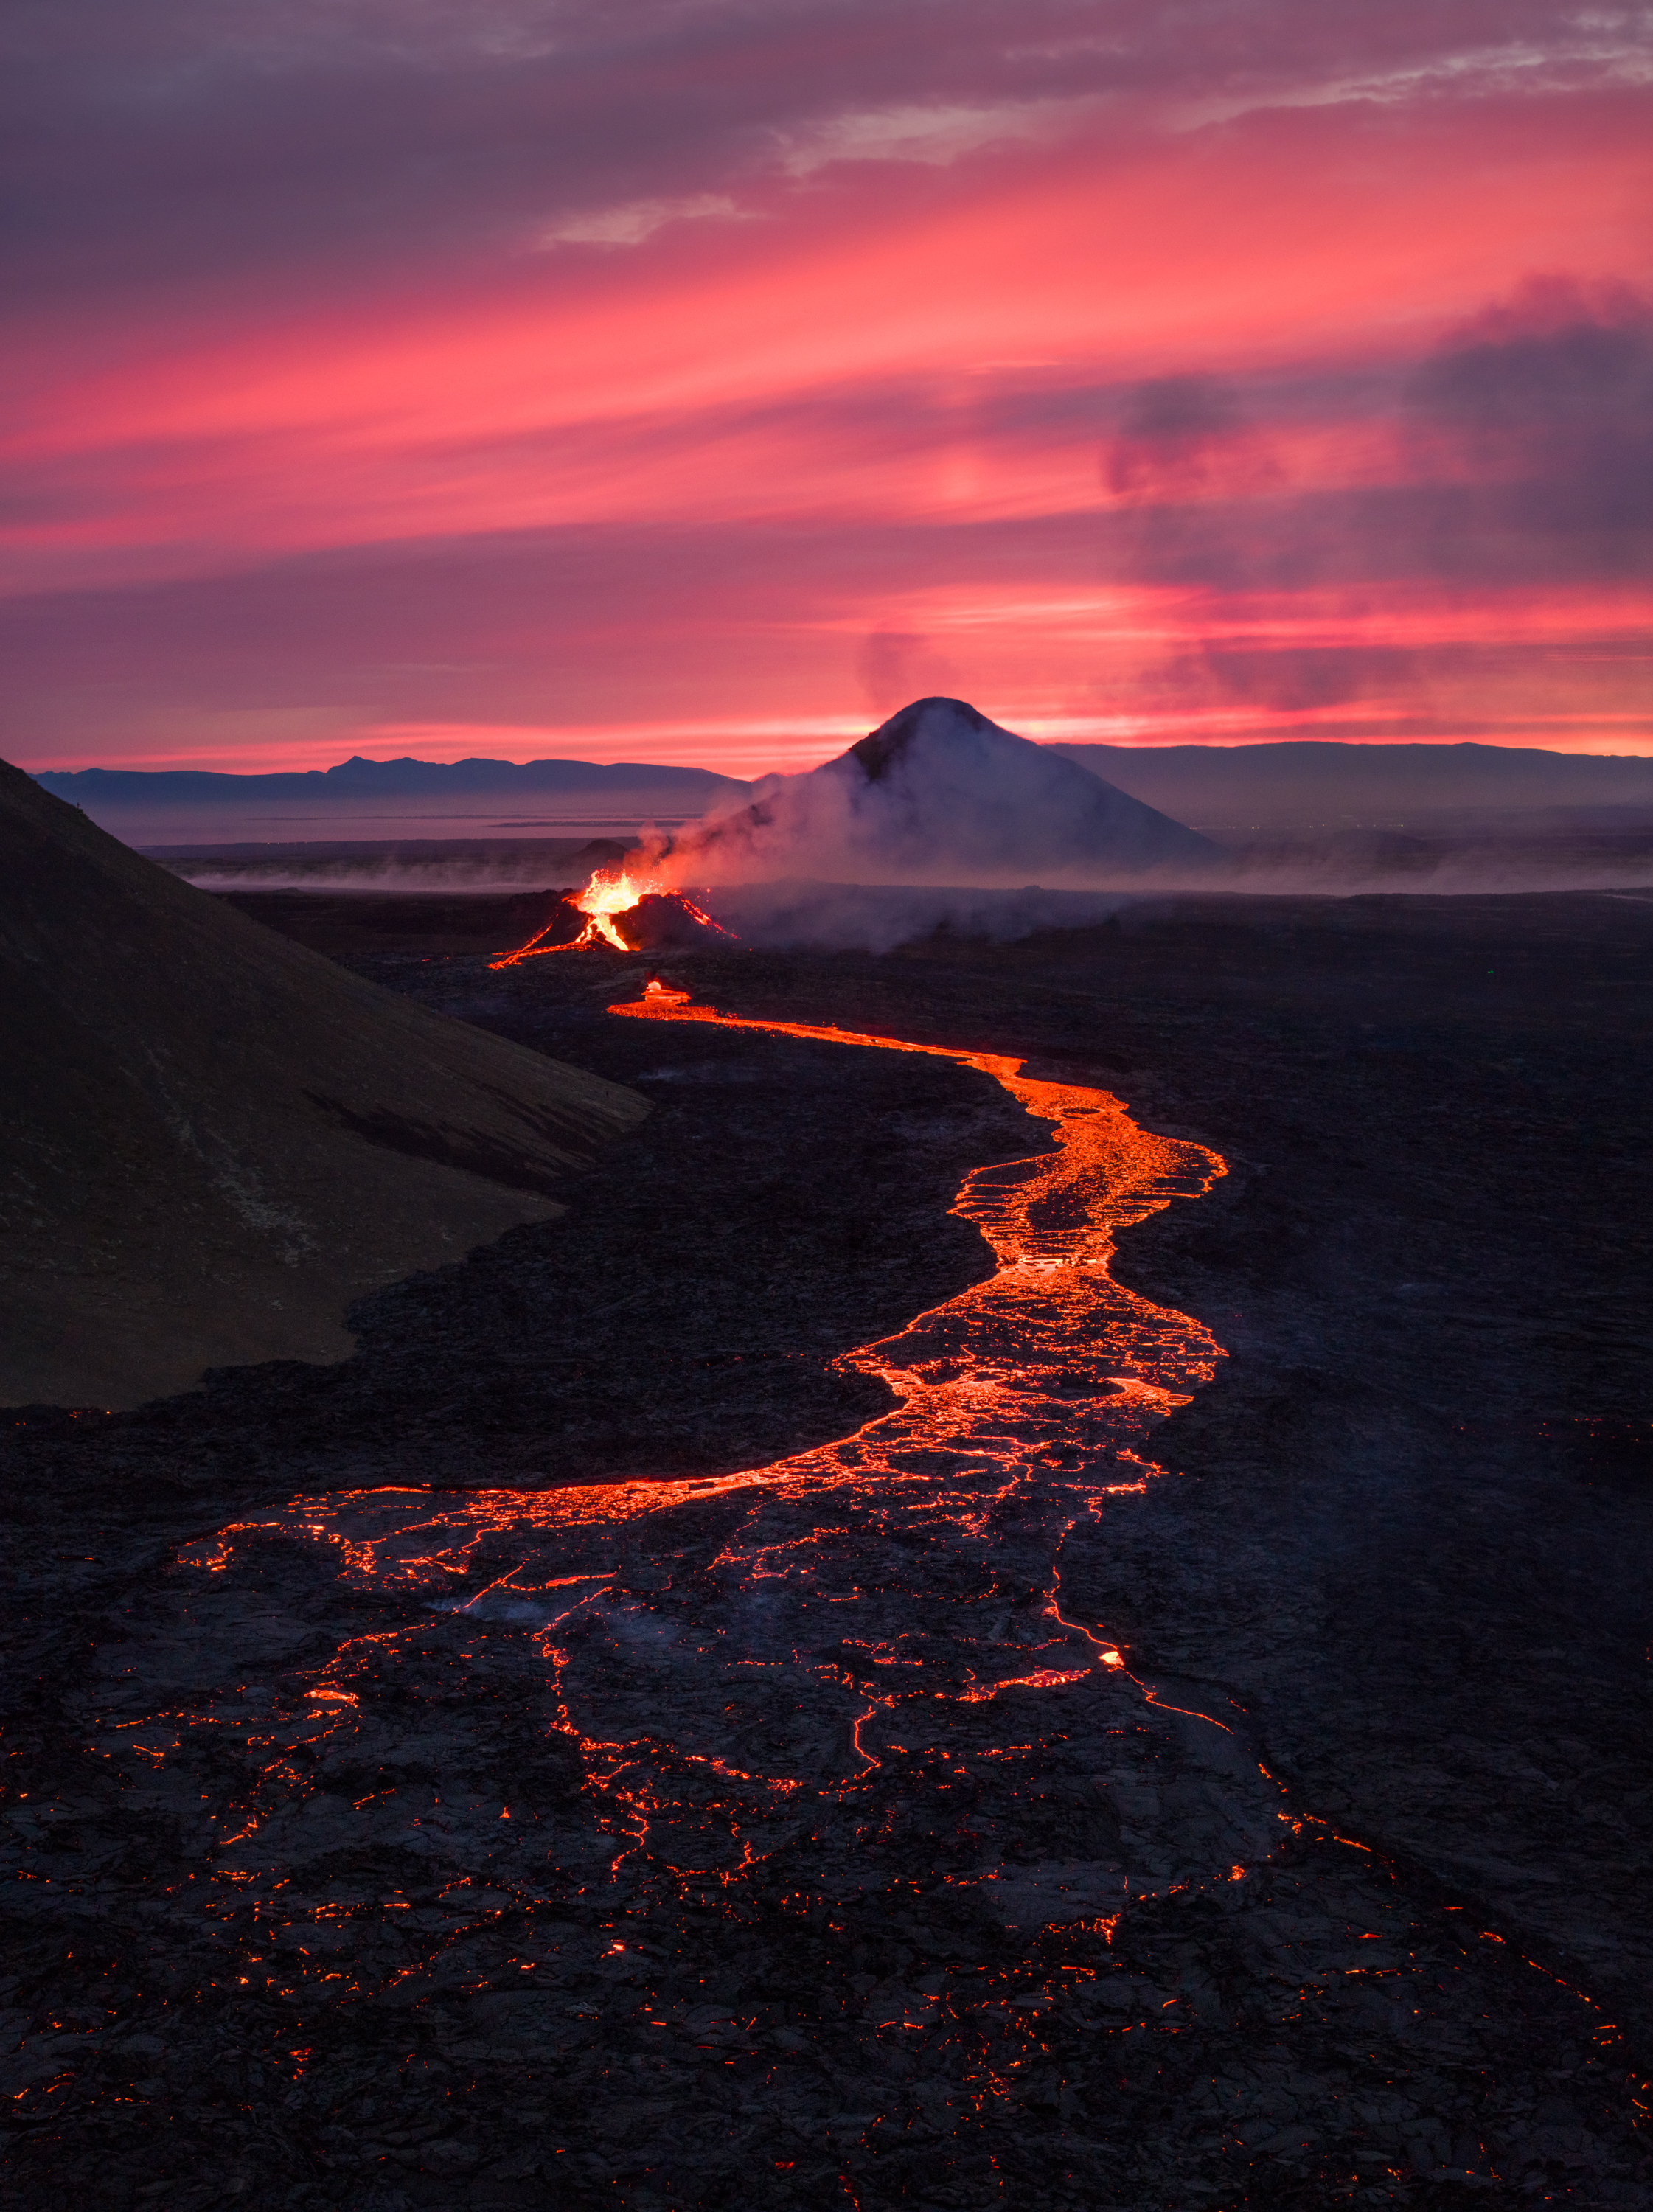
(856, 1670)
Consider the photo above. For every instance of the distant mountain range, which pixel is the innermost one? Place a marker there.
(1230, 791)
(382, 798)
(1227, 793)
(357, 778)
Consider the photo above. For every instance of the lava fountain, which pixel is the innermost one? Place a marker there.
(610, 894)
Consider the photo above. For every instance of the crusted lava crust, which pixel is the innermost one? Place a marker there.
(1401, 1550)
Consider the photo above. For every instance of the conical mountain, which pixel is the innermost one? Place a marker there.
(939, 794)
(214, 1140)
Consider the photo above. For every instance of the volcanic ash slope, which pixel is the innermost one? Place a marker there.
(214, 1140)
(940, 794)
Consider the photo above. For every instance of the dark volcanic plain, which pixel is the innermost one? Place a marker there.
(1399, 1548)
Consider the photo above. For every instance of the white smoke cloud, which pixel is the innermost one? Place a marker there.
(938, 795)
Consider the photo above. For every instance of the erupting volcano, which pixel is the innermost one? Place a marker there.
(654, 916)
(938, 794)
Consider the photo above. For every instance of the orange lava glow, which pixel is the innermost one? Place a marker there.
(849, 1669)
(609, 893)
(1032, 1392)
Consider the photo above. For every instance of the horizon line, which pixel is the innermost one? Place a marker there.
(1075, 730)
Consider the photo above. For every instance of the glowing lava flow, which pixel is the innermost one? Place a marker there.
(896, 1603)
(1062, 1210)
(857, 1671)
(824, 1773)
(607, 894)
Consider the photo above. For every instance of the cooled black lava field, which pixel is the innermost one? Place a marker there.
(411, 1801)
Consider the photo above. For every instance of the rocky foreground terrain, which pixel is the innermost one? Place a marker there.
(412, 1802)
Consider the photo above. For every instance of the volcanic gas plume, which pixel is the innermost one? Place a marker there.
(937, 795)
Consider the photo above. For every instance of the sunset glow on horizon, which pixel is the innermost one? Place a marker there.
(698, 386)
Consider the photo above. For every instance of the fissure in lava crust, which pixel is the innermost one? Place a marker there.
(876, 1622)
(851, 1674)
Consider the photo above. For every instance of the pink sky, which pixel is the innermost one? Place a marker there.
(498, 380)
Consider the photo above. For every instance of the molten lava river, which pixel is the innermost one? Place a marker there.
(575, 1768)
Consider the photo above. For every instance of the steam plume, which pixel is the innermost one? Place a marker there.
(938, 794)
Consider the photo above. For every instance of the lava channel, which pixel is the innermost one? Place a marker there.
(869, 1667)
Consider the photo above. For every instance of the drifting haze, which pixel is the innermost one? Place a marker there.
(697, 383)
(938, 818)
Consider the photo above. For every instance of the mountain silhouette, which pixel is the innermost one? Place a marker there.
(940, 794)
(214, 1139)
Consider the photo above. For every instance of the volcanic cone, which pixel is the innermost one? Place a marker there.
(940, 795)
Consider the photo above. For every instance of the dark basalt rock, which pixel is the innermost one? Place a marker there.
(662, 922)
(212, 1141)
(1398, 1552)
(352, 924)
